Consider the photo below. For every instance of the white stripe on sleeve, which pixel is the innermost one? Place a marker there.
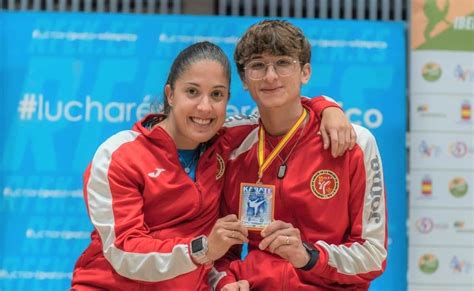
(369, 256)
(150, 267)
(246, 144)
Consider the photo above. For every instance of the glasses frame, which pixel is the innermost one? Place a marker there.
(293, 61)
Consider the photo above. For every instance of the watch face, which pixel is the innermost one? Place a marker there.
(196, 245)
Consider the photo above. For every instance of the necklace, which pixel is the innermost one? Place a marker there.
(282, 169)
(188, 164)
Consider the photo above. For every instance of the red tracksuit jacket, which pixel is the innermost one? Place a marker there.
(145, 210)
(337, 204)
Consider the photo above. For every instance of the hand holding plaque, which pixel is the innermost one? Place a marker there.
(283, 239)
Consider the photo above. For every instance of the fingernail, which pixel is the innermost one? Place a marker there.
(260, 247)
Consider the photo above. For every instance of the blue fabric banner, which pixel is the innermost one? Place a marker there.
(69, 81)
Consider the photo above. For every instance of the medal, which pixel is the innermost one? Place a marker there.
(257, 200)
(256, 205)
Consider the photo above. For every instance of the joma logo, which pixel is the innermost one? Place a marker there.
(376, 191)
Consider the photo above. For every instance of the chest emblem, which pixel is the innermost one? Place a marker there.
(220, 167)
(324, 184)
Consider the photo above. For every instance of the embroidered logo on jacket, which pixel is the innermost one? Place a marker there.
(220, 167)
(324, 184)
(156, 172)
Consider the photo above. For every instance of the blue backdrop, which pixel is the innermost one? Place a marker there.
(68, 81)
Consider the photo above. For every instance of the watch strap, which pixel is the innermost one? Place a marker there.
(314, 256)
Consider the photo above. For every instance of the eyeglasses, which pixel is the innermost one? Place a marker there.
(284, 66)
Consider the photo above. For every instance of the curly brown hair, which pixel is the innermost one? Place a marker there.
(276, 37)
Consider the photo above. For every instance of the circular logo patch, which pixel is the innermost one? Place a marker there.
(458, 149)
(324, 184)
(431, 72)
(220, 167)
(458, 187)
(424, 225)
(428, 263)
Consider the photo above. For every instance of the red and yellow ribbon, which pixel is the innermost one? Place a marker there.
(263, 163)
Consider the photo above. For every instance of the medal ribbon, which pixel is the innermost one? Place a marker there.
(264, 163)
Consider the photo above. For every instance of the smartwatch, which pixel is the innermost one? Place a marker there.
(199, 250)
(313, 254)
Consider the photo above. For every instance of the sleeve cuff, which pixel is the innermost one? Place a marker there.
(320, 267)
(319, 103)
(228, 278)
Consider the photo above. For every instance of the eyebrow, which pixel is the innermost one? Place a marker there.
(256, 57)
(197, 85)
(271, 56)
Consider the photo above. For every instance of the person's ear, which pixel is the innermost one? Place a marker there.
(169, 95)
(306, 73)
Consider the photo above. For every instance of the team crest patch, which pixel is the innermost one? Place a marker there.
(324, 184)
(220, 167)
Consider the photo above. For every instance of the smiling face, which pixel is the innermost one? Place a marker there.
(198, 104)
(274, 90)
